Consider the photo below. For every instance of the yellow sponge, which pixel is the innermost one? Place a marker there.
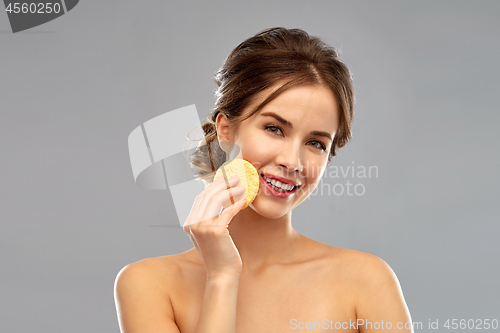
(246, 172)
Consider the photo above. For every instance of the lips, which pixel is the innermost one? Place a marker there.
(280, 179)
(276, 193)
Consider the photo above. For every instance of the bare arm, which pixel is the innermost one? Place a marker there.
(211, 238)
(218, 312)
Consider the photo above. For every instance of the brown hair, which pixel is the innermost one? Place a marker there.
(275, 55)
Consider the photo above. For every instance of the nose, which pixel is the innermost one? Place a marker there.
(290, 159)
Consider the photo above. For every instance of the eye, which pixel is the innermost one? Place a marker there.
(274, 129)
(318, 144)
(277, 130)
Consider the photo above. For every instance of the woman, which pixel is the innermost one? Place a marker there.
(286, 101)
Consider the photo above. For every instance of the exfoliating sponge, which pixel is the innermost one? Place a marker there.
(246, 172)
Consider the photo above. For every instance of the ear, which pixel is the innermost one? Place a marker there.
(224, 129)
(226, 136)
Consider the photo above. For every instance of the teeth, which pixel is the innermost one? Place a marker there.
(279, 185)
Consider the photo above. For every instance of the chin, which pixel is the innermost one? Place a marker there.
(269, 210)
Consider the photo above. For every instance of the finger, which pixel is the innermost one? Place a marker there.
(236, 194)
(199, 211)
(216, 187)
(227, 214)
(209, 209)
(225, 200)
(221, 184)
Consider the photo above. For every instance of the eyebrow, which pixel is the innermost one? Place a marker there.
(289, 124)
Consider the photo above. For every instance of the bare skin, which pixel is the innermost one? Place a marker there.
(249, 270)
(333, 284)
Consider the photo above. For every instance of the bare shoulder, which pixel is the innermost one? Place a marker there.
(359, 260)
(144, 278)
(143, 292)
(361, 267)
(147, 270)
(375, 287)
(160, 271)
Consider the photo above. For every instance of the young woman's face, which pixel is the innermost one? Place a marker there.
(289, 139)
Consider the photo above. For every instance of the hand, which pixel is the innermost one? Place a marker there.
(209, 233)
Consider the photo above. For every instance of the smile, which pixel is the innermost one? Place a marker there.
(278, 188)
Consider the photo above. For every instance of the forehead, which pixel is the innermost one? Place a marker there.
(301, 103)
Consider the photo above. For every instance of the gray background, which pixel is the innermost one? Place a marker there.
(427, 84)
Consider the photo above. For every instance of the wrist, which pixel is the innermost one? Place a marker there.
(223, 278)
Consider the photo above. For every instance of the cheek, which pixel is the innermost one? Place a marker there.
(258, 156)
(257, 148)
(314, 171)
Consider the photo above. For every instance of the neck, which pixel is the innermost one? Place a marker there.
(262, 241)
